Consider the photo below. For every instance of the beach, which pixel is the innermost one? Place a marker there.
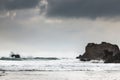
(60, 75)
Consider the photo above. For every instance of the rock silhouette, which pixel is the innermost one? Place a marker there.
(108, 52)
(14, 55)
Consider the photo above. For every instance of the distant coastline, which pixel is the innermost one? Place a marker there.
(18, 57)
(35, 58)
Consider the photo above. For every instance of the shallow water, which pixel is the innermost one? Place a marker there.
(61, 75)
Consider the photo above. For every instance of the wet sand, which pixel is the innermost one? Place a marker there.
(60, 75)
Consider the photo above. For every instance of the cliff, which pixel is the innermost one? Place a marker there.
(108, 52)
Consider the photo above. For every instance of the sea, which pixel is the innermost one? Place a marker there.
(59, 64)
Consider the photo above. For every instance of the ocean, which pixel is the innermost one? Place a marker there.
(58, 69)
(61, 64)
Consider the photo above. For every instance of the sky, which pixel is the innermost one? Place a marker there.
(57, 28)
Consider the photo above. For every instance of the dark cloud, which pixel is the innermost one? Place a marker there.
(68, 8)
(17, 4)
(83, 8)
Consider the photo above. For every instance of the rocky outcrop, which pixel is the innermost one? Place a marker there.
(12, 55)
(110, 53)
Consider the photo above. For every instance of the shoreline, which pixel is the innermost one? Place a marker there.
(60, 75)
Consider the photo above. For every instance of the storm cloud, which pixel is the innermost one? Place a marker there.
(67, 8)
(83, 8)
(17, 4)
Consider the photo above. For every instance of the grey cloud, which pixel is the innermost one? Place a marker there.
(67, 8)
(17, 4)
(83, 8)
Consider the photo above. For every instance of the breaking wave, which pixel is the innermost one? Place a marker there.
(55, 64)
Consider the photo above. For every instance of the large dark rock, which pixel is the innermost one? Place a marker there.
(110, 53)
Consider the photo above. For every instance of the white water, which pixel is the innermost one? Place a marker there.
(56, 65)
